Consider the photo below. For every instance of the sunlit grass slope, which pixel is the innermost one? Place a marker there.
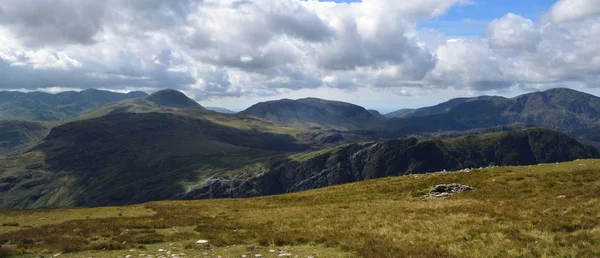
(546, 210)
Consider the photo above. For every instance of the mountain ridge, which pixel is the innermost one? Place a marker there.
(60, 106)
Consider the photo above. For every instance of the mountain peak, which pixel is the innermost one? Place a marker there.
(172, 98)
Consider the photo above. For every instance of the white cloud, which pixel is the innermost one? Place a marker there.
(248, 48)
(568, 10)
(513, 32)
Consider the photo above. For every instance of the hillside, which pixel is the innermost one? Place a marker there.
(312, 113)
(363, 161)
(60, 106)
(563, 110)
(17, 134)
(530, 211)
(438, 109)
(132, 158)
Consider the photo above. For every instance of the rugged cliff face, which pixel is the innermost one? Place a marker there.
(357, 162)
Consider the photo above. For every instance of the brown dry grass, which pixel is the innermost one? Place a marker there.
(514, 211)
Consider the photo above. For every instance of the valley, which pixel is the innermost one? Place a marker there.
(165, 146)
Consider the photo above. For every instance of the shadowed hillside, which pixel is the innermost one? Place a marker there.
(16, 134)
(130, 158)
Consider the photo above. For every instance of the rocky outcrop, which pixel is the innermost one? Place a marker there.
(358, 162)
(447, 190)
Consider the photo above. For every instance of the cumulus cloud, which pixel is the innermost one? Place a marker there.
(238, 48)
(513, 32)
(568, 10)
(520, 52)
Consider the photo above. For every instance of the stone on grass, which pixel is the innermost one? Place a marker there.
(447, 190)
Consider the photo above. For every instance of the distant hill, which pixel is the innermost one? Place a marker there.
(361, 161)
(564, 110)
(312, 113)
(59, 106)
(438, 109)
(221, 110)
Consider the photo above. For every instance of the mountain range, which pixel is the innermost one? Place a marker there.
(563, 110)
(53, 107)
(165, 145)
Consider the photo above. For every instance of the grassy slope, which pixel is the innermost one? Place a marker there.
(514, 211)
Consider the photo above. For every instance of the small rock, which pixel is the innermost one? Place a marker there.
(284, 255)
(271, 251)
(128, 256)
(202, 241)
(561, 196)
(56, 255)
(244, 256)
(258, 255)
(161, 250)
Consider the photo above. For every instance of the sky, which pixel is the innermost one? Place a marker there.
(381, 54)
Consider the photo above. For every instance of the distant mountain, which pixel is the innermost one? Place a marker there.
(438, 109)
(221, 110)
(52, 107)
(563, 110)
(312, 113)
(160, 101)
(173, 99)
(362, 161)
